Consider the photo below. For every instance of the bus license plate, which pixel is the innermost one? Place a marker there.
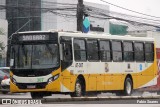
(31, 86)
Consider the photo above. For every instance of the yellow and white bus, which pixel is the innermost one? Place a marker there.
(76, 63)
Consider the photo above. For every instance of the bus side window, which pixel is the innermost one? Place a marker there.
(149, 52)
(92, 50)
(128, 52)
(80, 50)
(67, 52)
(67, 57)
(139, 51)
(117, 51)
(105, 51)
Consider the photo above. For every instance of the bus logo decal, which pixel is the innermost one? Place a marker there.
(140, 67)
(106, 67)
(129, 66)
(79, 65)
(40, 79)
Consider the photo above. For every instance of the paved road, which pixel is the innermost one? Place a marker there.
(27, 95)
(108, 101)
(85, 105)
(102, 103)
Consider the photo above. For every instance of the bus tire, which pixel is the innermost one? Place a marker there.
(78, 92)
(128, 86)
(36, 95)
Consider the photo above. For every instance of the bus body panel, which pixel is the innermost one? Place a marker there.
(99, 76)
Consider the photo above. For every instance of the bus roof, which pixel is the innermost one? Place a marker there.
(92, 35)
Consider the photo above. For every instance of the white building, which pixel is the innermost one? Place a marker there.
(3, 41)
(66, 20)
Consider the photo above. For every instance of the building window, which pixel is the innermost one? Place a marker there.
(105, 52)
(139, 51)
(128, 53)
(79, 50)
(149, 51)
(117, 51)
(92, 50)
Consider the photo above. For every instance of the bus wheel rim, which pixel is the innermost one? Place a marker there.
(128, 87)
(78, 89)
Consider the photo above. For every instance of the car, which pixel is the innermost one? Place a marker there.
(5, 86)
(5, 69)
(4, 76)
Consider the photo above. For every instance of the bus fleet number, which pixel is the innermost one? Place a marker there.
(79, 65)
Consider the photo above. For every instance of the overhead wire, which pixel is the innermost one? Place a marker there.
(129, 9)
(68, 10)
(109, 14)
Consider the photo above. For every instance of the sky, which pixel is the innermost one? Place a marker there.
(150, 7)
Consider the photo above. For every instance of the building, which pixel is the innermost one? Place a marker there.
(66, 20)
(33, 15)
(23, 15)
(2, 9)
(3, 33)
(140, 31)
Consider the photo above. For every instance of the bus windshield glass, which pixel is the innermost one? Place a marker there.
(38, 56)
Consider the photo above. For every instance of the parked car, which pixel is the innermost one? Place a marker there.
(5, 86)
(5, 69)
(4, 79)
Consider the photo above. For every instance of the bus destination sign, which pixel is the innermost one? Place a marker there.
(34, 37)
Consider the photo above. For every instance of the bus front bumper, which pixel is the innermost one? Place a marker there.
(53, 86)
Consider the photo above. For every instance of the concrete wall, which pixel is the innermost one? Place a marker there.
(153, 34)
(2, 11)
(100, 22)
(156, 36)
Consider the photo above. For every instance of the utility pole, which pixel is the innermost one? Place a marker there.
(80, 8)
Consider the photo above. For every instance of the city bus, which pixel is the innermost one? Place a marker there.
(47, 62)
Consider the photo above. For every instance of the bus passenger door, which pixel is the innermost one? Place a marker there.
(66, 63)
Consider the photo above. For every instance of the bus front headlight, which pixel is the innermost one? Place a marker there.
(53, 78)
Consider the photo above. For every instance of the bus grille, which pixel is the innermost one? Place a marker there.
(37, 85)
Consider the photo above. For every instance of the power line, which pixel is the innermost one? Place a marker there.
(129, 9)
(32, 7)
(58, 3)
(116, 13)
(97, 11)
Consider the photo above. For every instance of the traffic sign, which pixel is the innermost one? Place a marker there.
(86, 25)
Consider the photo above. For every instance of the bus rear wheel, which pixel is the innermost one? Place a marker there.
(78, 89)
(128, 87)
(36, 95)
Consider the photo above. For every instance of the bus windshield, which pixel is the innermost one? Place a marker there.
(38, 56)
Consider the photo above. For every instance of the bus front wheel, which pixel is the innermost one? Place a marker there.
(36, 95)
(78, 89)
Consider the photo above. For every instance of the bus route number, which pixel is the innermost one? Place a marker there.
(79, 65)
